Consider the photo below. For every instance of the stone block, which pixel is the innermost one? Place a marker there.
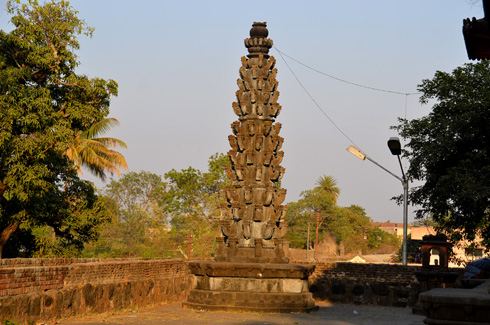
(358, 290)
(457, 306)
(380, 288)
(338, 289)
(250, 287)
(253, 285)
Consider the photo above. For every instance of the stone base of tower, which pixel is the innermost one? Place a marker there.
(232, 251)
(257, 287)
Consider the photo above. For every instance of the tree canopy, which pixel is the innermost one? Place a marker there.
(137, 203)
(95, 153)
(195, 196)
(329, 185)
(347, 225)
(153, 217)
(44, 103)
(449, 150)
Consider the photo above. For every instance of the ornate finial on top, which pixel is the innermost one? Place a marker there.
(258, 43)
(259, 30)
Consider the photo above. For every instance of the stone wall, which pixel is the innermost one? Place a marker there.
(42, 289)
(47, 289)
(367, 284)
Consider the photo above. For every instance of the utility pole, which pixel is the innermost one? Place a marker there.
(308, 239)
(316, 241)
(190, 246)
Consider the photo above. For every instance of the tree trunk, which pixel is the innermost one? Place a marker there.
(5, 235)
(3, 188)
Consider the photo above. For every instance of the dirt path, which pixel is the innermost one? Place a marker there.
(328, 314)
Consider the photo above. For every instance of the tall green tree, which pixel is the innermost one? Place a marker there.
(153, 218)
(42, 102)
(195, 195)
(449, 150)
(347, 225)
(137, 202)
(194, 198)
(316, 207)
(328, 184)
(95, 153)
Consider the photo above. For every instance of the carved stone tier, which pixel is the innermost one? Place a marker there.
(251, 287)
(258, 43)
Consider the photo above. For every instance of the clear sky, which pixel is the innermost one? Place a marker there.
(177, 63)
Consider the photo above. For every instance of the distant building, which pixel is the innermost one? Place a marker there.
(373, 259)
(395, 228)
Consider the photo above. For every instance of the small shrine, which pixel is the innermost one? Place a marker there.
(251, 271)
(434, 274)
(435, 245)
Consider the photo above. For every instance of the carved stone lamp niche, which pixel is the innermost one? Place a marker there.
(435, 245)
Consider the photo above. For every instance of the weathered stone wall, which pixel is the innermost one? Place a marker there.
(42, 289)
(47, 289)
(367, 284)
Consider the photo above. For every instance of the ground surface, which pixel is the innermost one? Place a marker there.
(328, 314)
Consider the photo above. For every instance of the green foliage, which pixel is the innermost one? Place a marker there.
(8, 322)
(56, 223)
(347, 225)
(43, 104)
(194, 203)
(313, 203)
(425, 222)
(95, 153)
(328, 184)
(194, 195)
(153, 218)
(137, 202)
(413, 248)
(449, 150)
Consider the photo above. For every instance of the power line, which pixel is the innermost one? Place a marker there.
(341, 80)
(314, 101)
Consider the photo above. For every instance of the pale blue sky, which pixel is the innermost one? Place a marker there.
(177, 62)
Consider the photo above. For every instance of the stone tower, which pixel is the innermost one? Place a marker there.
(252, 219)
(252, 270)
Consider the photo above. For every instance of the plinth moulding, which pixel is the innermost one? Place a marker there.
(251, 270)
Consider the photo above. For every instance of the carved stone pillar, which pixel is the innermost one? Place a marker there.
(251, 270)
(255, 198)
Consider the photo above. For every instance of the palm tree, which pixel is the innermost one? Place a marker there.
(94, 153)
(329, 185)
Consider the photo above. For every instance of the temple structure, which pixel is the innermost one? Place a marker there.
(251, 270)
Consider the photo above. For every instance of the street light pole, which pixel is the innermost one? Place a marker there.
(316, 240)
(361, 155)
(405, 219)
(396, 150)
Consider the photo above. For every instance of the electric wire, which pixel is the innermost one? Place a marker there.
(342, 80)
(282, 55)
(314, 101)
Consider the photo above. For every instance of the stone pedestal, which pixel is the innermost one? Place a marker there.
(457, 306)
(432, 278)
(258, 287)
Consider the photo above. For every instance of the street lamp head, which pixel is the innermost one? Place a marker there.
(395, 146)
(356, 152)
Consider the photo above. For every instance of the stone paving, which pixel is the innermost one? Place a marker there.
(335, 314)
